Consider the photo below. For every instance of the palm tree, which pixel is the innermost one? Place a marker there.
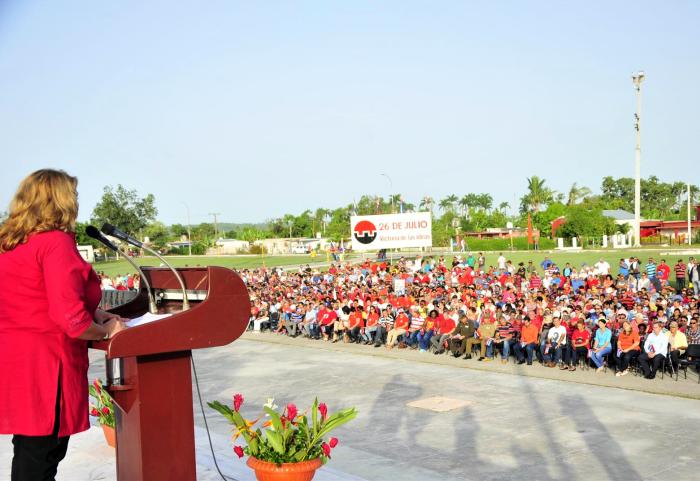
(577, 193)
(452, 201)
(464, 202)
(485, 201)
(537, 196)
(446, 205)
(427, 203)
(503, 206)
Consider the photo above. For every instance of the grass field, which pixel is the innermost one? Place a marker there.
(575, 258)
(112, 268)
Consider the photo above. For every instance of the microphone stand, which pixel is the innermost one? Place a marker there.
(185, 301)
(97, 235)
(109, 229)
(152, 308)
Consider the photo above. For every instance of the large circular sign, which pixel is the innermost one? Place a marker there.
(365, 232)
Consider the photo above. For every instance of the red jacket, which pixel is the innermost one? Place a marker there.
(49, 297)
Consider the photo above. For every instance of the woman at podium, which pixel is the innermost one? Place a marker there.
(48, 312)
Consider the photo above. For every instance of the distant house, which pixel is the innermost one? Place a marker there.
(87, 252)
(675, 229)
(231, 246)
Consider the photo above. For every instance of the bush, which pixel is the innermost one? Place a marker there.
(519, 243)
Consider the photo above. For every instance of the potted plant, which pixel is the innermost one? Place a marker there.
(103, 410)
(289, 446)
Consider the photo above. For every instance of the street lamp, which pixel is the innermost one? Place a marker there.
(637, 81)
(189, 232)
(391, 189)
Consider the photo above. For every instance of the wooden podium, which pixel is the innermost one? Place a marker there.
(153, 393)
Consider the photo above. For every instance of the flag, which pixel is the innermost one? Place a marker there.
(530, 239)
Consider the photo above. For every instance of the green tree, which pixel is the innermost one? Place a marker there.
(538, 195)
(427, 203)
(577, 193)
(157, 233)
(583, 222)
(125, 209)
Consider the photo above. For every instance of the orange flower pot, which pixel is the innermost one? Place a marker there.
(110, 435)
(303, 471)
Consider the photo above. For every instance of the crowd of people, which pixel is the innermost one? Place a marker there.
(644, 316)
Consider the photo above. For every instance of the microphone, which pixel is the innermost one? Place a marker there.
(97, 235)
(109, 229)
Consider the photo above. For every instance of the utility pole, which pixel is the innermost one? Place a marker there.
(637, 81)
(690, 237)
(216, 228)
(189, 230)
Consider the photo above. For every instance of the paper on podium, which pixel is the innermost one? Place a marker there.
(145, 319)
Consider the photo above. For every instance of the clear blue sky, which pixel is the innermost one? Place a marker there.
(254, 109)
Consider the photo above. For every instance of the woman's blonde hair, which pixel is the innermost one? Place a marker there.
(45, 200)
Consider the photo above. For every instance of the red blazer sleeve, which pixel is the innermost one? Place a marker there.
(65, 279)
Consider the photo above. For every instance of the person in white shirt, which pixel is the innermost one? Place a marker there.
(655, 352)
(602, 267)
(501, 262)
(556, 341)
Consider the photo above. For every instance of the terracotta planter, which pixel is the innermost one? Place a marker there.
(303, 471)
(110, 436)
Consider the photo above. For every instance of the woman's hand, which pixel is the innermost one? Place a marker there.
(101, 317)
(113, 326)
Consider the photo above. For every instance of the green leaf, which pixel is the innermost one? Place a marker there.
(275, 440)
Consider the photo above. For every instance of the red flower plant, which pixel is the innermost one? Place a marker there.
(333, 442)
(237, 402)
(105, 410)
(323, 409)
(291, 412)
(326, 450)
(238, 450)
(94, 412)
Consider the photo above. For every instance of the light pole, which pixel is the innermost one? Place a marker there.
(216, 229)
(637, 81)
(189, 231)
(391, 189)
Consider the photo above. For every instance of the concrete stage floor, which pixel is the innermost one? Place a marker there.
(497, 422)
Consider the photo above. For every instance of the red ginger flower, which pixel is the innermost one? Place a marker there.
(237, 402)
(291, 412)
(326, 449)
(238, 450)
(323, 409)
(105, 410)
(333, 442)
(94, 412)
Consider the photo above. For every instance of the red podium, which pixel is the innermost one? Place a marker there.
(153, 395)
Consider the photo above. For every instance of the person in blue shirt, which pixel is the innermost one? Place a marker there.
(624, 268)
(546, 263)
(601, 344)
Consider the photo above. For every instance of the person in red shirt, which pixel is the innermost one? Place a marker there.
(370, 325)
(663, 271)
(580, 342)
(355, 325)
(326, 318)
(45, 323)
(400, 329)
(445, 326)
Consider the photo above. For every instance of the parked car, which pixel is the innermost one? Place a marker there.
(299, 250)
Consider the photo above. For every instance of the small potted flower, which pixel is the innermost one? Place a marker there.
(288, 446)
(103, 410)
